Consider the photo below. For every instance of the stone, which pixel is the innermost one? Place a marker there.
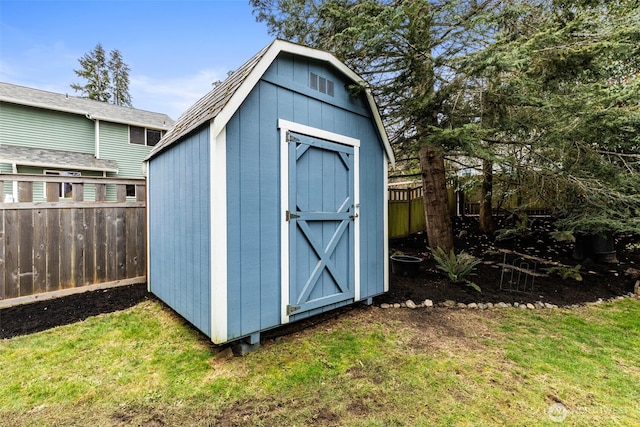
(396, 305)
(449, 303)
(473, 305)
(539, 304)
(482, 306)
(410, 304)
(428, 303)
(242, 348)
(385, 305)
(461, 305)
(503, 305)
(516, 304)
(636, 289)
(531, 306)
(634, 273)
(489, 305)
(227, 353)
(521, 307)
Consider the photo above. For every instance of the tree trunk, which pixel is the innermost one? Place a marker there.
(487, 224)
(436, 207)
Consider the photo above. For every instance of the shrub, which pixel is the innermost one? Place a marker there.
(567, 272)
(457, 267)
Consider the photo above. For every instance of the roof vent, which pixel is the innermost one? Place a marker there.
(321, 84)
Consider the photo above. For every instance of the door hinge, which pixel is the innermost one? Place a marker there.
(354, 216)
(288, 216)
(292, 309)
(291, 138)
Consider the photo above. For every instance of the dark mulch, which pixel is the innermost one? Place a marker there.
(600, 280)
(42, 315)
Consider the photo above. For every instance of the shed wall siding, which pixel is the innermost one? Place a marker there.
(253, 204)
(179, 229)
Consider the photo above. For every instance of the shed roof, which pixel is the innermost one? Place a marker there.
(223, 100)
(87, 107)
(44, 157)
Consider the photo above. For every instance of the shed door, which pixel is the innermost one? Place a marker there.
(321, 218)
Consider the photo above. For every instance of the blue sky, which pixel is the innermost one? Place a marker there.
(175, 49)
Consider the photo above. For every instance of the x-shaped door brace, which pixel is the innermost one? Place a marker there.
(324, 256)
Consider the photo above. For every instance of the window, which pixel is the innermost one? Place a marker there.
(143, 136)
(131, 190)
(65, 187)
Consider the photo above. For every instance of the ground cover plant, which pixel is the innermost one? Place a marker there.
(366, 366)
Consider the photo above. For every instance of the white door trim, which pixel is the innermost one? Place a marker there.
(285, 127)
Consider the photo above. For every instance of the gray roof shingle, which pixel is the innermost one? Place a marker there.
(72, 104)
(210, 105)
(44, 157)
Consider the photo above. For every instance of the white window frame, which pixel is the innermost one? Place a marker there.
(63, 185)
(146, 135)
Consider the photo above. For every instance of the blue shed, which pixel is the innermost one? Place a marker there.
(267, 199)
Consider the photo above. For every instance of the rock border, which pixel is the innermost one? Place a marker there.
(538, 305)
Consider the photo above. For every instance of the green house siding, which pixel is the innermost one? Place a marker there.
(114, 145)
(48, 129)
(35, 127)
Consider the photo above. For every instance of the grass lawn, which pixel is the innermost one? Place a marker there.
(370, 367)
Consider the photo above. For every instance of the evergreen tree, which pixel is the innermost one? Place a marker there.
(570, 86)
(119, 72)
(106, 81)
(96, 73)
(407, 50)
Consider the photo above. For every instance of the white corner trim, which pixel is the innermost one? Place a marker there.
(147, 225)
(284, 225)
(218, 237)
(356, 221)
(385, 219)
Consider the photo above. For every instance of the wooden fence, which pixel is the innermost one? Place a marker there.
(406, 212)
(63, 246)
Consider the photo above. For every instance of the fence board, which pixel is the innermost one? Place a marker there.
(89, 247)
(67, 249)
(121, 242)
(141, 220)
(55, 246)
(25, 251)
(53, 249)
(78, 227)
(39, 251)
(130, 243)
(12, 233)
(100, 246)
(111, 261)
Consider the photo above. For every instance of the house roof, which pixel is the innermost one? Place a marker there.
(42, 157)
(221, 103)
(87, 107)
